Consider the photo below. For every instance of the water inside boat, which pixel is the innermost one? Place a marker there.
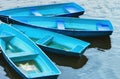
(34, 39)
(58, 46)
(29, 66)
(24, 57)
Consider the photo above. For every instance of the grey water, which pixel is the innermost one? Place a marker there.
(69, 63)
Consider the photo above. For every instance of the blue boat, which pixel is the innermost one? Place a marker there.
(24, 56)
(54, 42)
(70, 9)
(76, 27)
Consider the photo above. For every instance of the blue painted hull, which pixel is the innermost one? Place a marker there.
(76, 27)
(54, 42)
(63, 9)
(24, 56)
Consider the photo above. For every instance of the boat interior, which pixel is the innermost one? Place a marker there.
(66, 23)
(24, 57)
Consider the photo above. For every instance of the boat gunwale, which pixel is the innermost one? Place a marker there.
(63, 14)
(33, 25)
(11, 63)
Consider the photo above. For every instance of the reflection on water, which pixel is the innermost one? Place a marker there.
(61, 60)
(102, 43)
(99, 42)
(9, 71)
(69, 61)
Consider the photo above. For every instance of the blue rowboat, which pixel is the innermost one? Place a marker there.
(24, 56)
(54, 42)
(76, 27)
(70, 9)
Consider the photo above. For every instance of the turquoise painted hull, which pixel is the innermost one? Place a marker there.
(24, 56)
(54, 42)
(63, 9)
(76, 27)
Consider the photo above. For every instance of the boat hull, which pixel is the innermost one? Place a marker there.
(63, 9)
(106, 25)
(54, 42)
(24, 77)
(26, 59)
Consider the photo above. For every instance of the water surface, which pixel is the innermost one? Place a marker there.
(100, 60)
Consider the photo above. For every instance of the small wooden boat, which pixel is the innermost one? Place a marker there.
(62, 9)
(54, 42)
(76, 27)
(24, 56)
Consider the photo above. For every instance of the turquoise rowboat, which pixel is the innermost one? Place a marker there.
(70, 9)
(24, 56)
(54, 42)
(76, 27)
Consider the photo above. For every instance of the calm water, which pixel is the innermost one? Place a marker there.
(67, 64)
(100, 61)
